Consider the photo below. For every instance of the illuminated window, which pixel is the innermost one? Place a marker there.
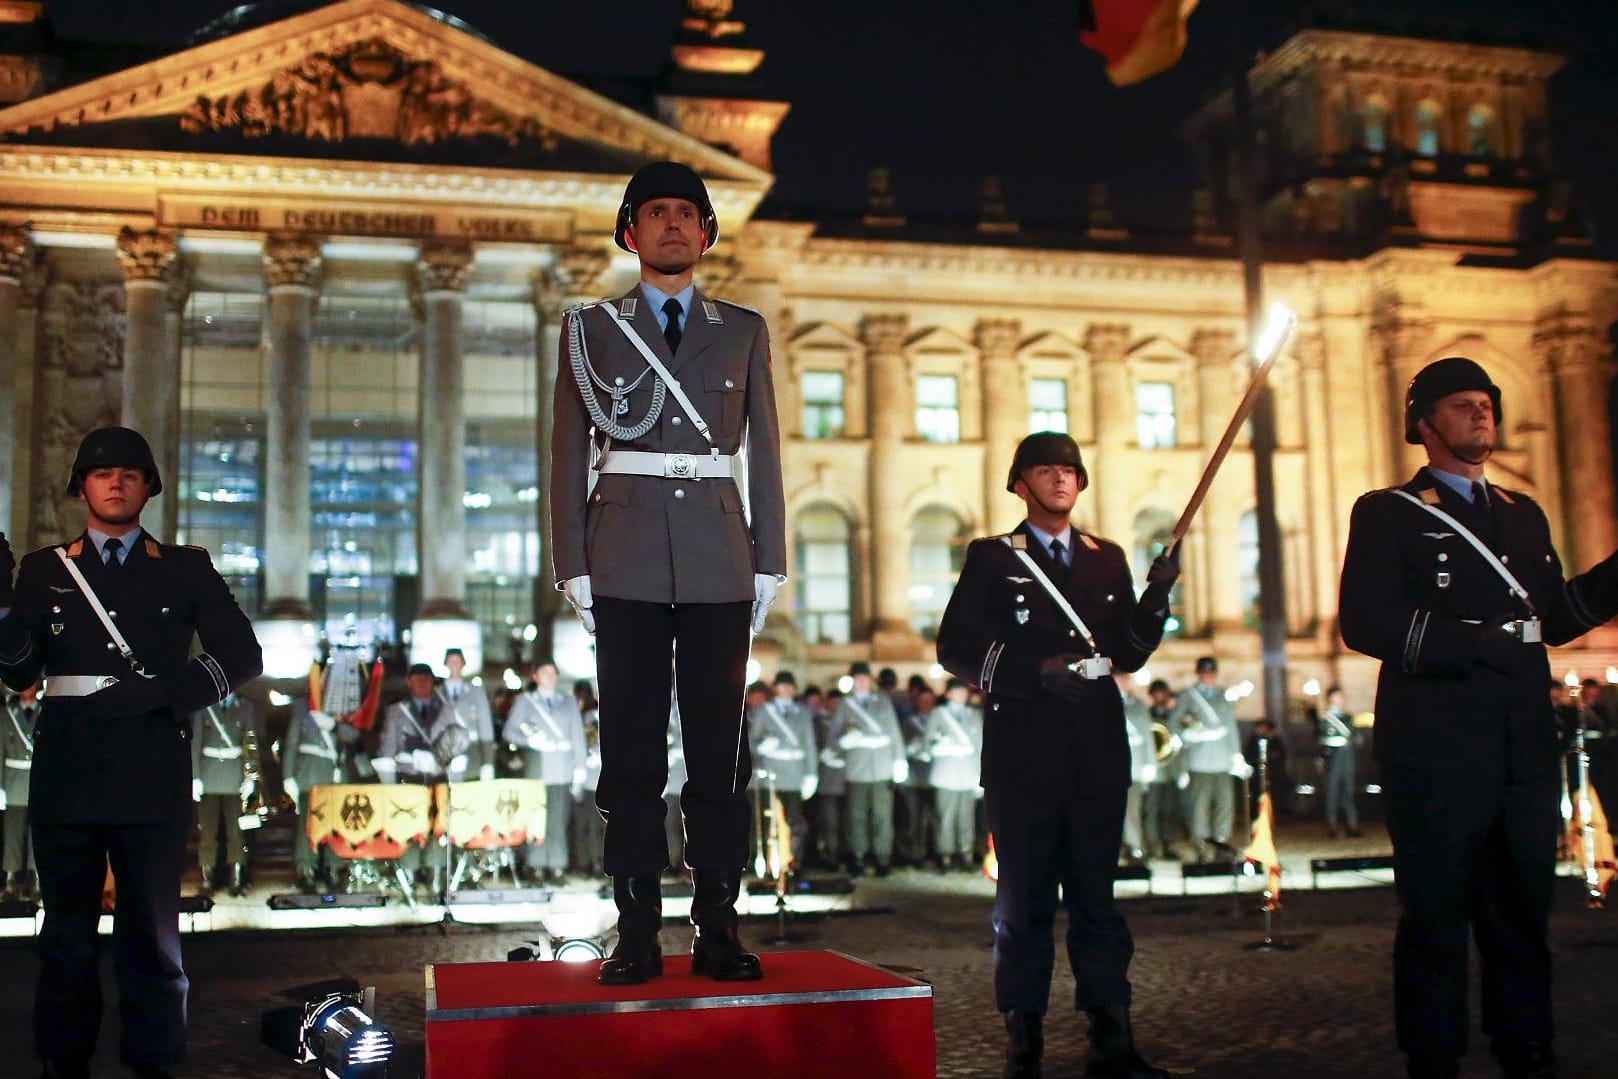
(1427, 119)
(938, 408)
(1375, 126)
(1154, 415)
(1047, 405)
(1480, 131)
(823, 579)
(937, 551)
(822, 404)
(1154, 531)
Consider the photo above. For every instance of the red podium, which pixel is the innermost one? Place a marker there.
(814, 1014)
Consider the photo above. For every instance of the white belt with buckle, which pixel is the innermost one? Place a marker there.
(673, 466)
(222, 753)
(78, 685)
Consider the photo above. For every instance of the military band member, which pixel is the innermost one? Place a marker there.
(1161, 818)
(1339, 744)
(546, 723)
(915, 823)
(472, 705)
(587, 830)
(1055, 752)
(830, 803)
(1204, 719)
(220, 736)
(668, 388)
(867, 735)
(782, 734)
(423, 741)
(955, 744)
(1465, 740)
(1142, 767)
(17, 877)
(111, 770)
(311, 756)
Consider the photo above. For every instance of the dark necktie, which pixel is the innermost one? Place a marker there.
(109, 552)
(671, 328)
(1480, 495)
(1059, 553)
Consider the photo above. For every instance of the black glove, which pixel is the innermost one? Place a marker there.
(132, 696)
(1500, 650)
(8, 569)
(1160, 578)
(1057, 677)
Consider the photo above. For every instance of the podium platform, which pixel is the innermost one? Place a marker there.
(813, 1014)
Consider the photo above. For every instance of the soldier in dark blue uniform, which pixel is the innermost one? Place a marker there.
(112, 764)
(1465, 737)
(1056, 764)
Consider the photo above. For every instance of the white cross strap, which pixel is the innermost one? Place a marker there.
(1056, 595)
(662, 372)
(101, 612)
(1466, 533)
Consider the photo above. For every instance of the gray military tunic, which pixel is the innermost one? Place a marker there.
(783, 740)
(17, 751)
(955, 741)
(471, 704)
(218, 745)
(868, 736)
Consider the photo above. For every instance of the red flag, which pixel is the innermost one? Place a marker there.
(991, 863)
(1138, 38)
(365, 714)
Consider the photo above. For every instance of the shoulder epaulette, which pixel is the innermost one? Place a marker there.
(1088, 540)
(1508, 497)
(740, 307)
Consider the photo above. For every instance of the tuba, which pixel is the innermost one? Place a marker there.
(1164, 742)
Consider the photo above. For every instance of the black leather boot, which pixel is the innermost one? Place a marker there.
(1025, 1045)
(1112, 1047)
(637, 956)
(716, 950)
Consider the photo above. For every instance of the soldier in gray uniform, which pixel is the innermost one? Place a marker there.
(1206, 724)
(1142, 767)
(1338, 743)
(423, 741)
(831, 797)
(954, 739)
(546, 723)
(665, 554)
(220, 736)
(587, 829)
(311, 756)
(782, 734)
(472, 705)
(16, 765)
(867, 733)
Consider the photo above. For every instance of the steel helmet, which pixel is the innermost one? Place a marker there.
(114, 447)
(1452, 374)
(666, 180)
(1046, 448)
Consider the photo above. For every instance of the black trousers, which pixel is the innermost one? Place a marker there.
(708, 644)
(147, 861)
(1479, 855)
(1071, 845)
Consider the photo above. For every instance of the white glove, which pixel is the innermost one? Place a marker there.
(769, 745)
(423, 761)
(831, 759)
(577, 591)
(1148, 773)
(387, 769)
(901, 770)
(2, 800)
(324, 721)
(977, 794)
(852, 740)
(291, 787)
(578, 783)
(196, 790)
(247, 787)
(485, 772)
(810, 785)
(765, 586)
(1183, 780)
(1239, 767)
(458, 764)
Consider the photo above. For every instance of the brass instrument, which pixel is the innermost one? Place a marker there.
(254, 811)
(1594, 896)
(1165, 742)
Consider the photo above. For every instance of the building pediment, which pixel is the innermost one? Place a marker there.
(363, 80)
(1050, 345)
(1158, 347)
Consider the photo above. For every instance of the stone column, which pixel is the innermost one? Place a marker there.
(889, 424)
(569, 281)
(1210, 586)
(291, 276)
(1005, 417)
(17, 255)
(151, 403)
(1578, 359)
(443, 621)
(1114, 399)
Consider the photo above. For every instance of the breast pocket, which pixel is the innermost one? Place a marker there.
(727, 390)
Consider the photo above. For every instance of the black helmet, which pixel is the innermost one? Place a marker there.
(665, 180)
(1046, 448)
(114, 447)
(1452, 374)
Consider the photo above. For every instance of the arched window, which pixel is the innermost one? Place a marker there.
(1153, 532)
(937, 550)
(1480, 131)
(1374, 125)
(1247, 585)
(1428, 116)
(824, 586)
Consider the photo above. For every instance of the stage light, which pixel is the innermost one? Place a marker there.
(332, 1026)
(580, 950)
(568, 937)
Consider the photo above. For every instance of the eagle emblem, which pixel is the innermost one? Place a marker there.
(357, 811)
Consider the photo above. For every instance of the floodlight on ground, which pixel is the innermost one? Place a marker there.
(331, 1024)
(568, 937)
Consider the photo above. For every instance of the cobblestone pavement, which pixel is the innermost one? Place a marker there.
(1204, 1005)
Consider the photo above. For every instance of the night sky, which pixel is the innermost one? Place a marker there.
(944, 92)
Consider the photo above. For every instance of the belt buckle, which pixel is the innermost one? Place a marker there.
(679, 466)
(106, 681)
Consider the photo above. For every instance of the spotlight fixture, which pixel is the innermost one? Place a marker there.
(559, 950)
(331, 1025)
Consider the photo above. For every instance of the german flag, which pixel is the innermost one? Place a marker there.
(1138, 38)
(1260, 852)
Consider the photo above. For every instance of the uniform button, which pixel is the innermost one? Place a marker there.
(596, 497)
(112, 614)
(56, 610)
(1072, 633)
(1110, 598)
(729, 385)
(1505, 559)
(1442, 557)
(1020, 598)
(676, 421)
(617, 382)
(679, 492)
(109, 646)
(164, 610)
